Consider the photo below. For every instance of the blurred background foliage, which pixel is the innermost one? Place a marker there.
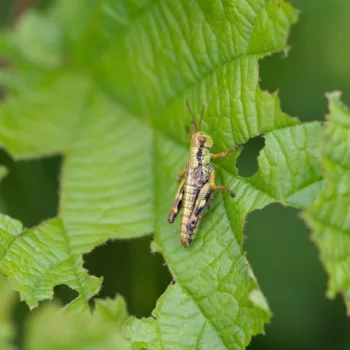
(278, 246)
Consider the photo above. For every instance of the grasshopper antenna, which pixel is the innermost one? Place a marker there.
(194, 120)
(200, 121)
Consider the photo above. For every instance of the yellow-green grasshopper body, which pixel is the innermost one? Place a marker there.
(195, 191)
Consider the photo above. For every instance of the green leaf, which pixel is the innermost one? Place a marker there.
(113, 146)
(6, 304)
(40, 258)
(37, 39)
(116, 111)
(328, 216)
(143, 333)
(51, 328)
(41, 115)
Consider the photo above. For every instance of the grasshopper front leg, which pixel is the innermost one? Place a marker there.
(224, 154)
(177, 203)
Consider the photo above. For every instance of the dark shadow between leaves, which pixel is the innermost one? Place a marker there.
(129, 268)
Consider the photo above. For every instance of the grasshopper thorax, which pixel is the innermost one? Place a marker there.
(200, 139)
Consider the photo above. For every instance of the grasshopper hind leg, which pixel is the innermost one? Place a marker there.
(177, 203)
(203, 201)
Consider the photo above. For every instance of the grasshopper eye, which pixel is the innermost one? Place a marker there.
(202, 140)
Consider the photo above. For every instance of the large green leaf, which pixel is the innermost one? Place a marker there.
(329, 215)
(113, 104)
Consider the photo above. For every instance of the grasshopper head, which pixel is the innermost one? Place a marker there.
(200, 139)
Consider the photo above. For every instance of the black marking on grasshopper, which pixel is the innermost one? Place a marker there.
(199, 156)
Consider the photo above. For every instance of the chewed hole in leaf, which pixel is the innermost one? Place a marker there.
(65, 294)
(30, 190)
(129, 268)
(247, 162)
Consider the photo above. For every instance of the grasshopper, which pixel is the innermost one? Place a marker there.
(197, 183)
